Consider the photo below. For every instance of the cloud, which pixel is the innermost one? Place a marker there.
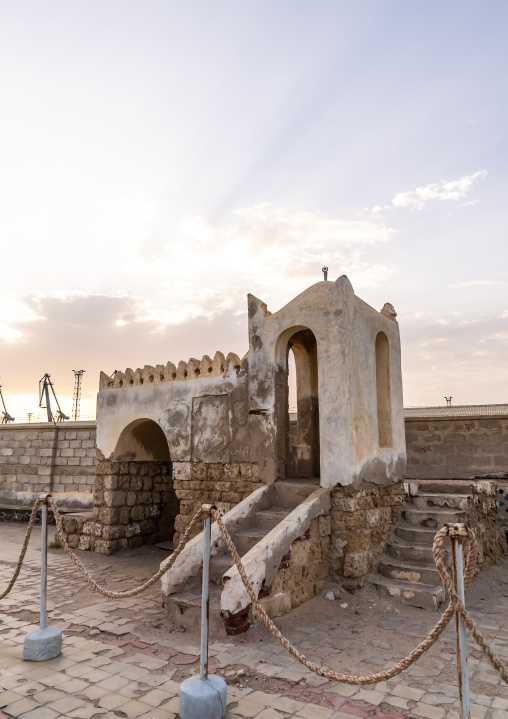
(460, 358)
(441, 191)
(210, 266)
(101, 332)
(475, 283)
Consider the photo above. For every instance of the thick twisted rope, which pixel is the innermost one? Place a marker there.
(401, 666)
(455, 605)
(28, 532)
(127, 592)
(455, 600)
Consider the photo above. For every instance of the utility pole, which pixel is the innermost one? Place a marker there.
(78, 375)
(448, 401)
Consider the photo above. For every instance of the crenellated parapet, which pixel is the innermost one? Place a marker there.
(220, 366)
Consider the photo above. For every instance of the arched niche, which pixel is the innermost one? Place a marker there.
(384, 407)
(139, 495)
(142, 441)
(302, 432)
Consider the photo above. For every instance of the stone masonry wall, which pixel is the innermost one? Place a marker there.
(456, 448)
(482, 517)
(302, 574)
(303, 571)
(134, 504)
(223, 485)
(56, 458)
(361, 521)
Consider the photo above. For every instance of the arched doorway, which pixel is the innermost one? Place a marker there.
(302, 425)
(142, 486)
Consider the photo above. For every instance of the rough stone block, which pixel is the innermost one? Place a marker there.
(357, 564)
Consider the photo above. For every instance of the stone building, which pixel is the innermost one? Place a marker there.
(171, 437)
(308, 497)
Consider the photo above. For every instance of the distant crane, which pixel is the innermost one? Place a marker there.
(78, 375)
(44, 384)
(5, 417)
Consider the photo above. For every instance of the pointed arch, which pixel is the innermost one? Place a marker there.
(384, 407)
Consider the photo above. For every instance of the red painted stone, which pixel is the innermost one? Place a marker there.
(185, 659)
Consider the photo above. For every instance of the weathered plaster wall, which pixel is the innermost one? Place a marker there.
(203, 415)
(456, 448)
(345, 329)
(361, 522)
(56, 458)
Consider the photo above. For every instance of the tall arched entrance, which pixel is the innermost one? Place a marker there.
(139, 502)
(302, 411)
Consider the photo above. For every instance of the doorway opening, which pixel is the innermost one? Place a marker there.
(302, 420)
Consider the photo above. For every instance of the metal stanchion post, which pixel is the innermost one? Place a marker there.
(45, 642)
(204, 697)
(458, 533)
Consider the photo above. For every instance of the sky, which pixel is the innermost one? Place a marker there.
(161, 159)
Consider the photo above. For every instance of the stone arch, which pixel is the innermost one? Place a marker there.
(138, 504)
(142, 441)
(302, 451)
(384, 407)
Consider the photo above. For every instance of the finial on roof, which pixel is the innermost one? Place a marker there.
(389, 311)
(325, 272)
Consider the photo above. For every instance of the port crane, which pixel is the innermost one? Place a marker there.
(44, 385)
(5, 417)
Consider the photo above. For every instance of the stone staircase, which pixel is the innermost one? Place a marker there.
(407, 570)
(184, 606)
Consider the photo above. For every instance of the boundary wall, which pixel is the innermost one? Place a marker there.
(40, 457)
(61, 458)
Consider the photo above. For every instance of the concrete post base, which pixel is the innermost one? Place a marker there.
(43, 644)
(203, 698)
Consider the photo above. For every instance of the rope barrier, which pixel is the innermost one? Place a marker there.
(28, 532)
(127, 592)
(455, 605)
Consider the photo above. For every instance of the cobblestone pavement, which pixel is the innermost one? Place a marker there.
(124, 659)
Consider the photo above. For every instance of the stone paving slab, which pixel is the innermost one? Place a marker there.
(122, 659)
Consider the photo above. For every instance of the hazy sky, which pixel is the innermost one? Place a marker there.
(161, 159)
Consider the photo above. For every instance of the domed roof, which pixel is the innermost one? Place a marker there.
(317, 295)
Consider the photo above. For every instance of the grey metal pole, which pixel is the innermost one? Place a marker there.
(457, 534)
(44, 560)
(204, 697)
(205, 593)
(46, 642)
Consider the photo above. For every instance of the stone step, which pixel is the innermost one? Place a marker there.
(416, 595)
(184, 609)
(435, 518)
(274, 515)
(415, 535)
(411, 552)
(289, 493)
(219, 564)
(444, 486)
(412, 572)
(429, 500)
(245, 539)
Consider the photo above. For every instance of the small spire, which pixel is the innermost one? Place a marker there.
(325, 272)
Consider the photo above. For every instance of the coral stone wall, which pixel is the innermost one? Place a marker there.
(361, 521)
(482, 517)
(456, 448)
(56, 458)
(303, 571)
(222, 485)
(134, 504)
